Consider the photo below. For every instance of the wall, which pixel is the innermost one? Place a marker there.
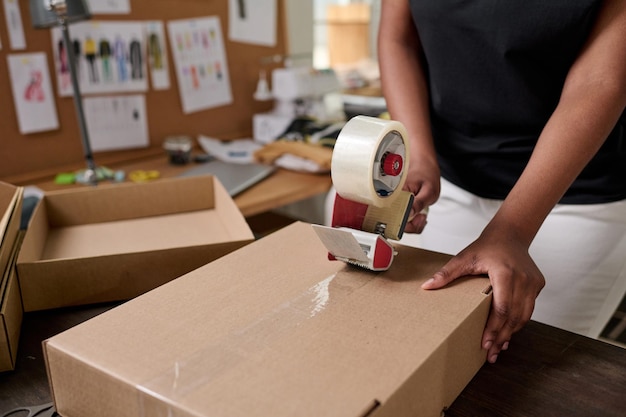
(27, 158)
(299, 26)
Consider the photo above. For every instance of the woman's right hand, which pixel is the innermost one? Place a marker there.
(423, 181)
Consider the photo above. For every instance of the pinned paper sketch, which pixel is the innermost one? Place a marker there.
(200, 60)
(252, 21)
(14, 24)
(116, 122)
(109, 57)
(157, 55)
(32, 92)
(109, 6)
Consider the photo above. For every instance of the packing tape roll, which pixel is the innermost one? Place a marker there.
(369, 161)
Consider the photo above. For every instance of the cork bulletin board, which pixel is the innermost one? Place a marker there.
(31, 157)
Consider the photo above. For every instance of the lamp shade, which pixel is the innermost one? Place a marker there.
(45, 16)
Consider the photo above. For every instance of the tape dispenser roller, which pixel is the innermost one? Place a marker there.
(368, 170)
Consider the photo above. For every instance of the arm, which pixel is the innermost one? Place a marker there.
(406, 94)
(592, 100)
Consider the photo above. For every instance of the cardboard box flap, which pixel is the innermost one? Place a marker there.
(275, 329)
(7, 193)
(102, 203)
(35, 239)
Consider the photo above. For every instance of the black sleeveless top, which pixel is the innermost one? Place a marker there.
(496, 69)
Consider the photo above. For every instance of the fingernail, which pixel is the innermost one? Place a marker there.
(493, 358)
(487, 344)
(505, 345)
(427, 283)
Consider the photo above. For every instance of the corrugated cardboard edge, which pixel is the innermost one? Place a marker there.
(11, 313)
(10, 224)
(10, 300)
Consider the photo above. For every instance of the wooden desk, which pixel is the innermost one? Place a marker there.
(548, 372)
(545, 372)
(279, 189)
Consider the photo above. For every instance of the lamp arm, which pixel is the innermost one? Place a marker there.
(78, 102)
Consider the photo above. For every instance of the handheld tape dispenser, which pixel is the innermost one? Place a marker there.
(368, 169)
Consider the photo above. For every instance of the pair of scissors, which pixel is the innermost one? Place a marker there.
(143, 175)
(44, 410)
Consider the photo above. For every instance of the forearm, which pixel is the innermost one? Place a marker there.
(568, 142)
(402, 76)
(593, 98)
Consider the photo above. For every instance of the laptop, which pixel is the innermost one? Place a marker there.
(234, 177)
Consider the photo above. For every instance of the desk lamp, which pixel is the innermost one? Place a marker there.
(50, 13)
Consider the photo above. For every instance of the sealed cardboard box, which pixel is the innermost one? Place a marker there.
(10, 302)
(275, 329)
(114, 242)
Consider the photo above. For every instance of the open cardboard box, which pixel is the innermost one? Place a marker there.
(116, 241)
(10, 301)
(275, 329)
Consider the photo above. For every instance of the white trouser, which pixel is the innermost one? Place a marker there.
(580, 249)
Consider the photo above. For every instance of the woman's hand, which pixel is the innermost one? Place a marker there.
(514, 277)
(423, 181)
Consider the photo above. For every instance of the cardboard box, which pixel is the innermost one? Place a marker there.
(11, 211)
(10, 302)
(116, 241)
(276, 329)
(11, 313)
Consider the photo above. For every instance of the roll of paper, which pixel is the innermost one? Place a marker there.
(369, 161)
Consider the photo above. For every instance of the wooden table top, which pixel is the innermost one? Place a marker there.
(548, 372)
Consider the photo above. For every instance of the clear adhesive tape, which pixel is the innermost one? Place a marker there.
(369, 161)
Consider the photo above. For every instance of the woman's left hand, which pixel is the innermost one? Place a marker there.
(515, 279)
